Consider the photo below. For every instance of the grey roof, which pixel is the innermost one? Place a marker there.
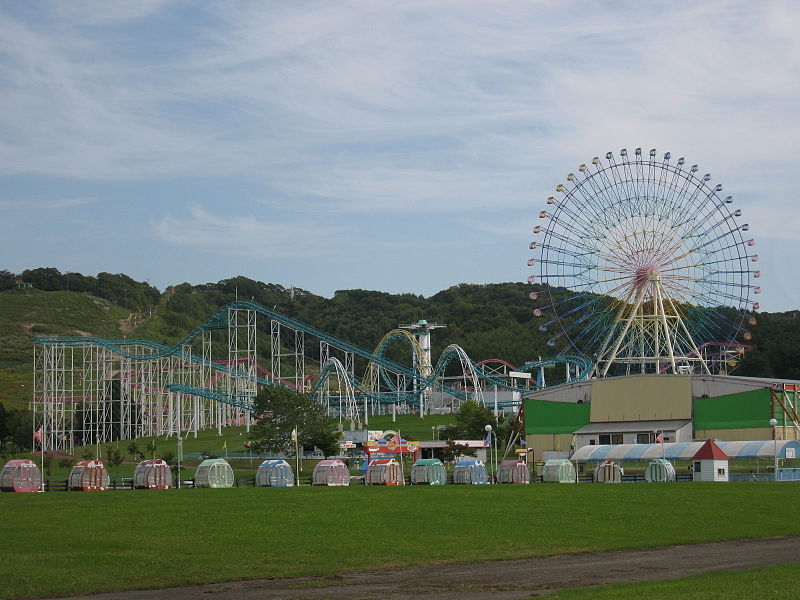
(634, 426)
(685, 450)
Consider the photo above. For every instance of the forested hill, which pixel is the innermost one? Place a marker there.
(493, 320)
(488, 321)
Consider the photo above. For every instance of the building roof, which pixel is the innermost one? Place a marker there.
(686, 451)
(710, 451)
(443, 443)
(634, 426)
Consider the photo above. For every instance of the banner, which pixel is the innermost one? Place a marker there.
(392, 446)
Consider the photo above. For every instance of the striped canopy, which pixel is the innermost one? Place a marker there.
(684, 451)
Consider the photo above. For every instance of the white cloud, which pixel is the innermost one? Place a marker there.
(247, 236)
(37, 205)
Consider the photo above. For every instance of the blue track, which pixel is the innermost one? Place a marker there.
(220, 321)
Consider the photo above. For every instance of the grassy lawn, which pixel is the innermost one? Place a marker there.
(67, 543)
(777, 582)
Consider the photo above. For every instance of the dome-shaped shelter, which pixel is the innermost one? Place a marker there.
(428, 471)
(331, 472)
(274, 473)
(152, 475)
(20, 475)
(608, 472)
(558, 470)
(88, 476)
(513, 471)
(470, 471)
(214, 473)
(384, 471)
(659, 469)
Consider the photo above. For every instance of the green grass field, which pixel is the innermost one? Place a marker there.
(69, 543)
(778, 582)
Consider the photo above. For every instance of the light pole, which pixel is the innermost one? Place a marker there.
(774, 423)
(488, 430)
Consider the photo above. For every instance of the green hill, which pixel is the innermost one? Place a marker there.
(488, 321)
(28, 313)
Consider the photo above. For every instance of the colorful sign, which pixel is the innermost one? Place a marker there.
(391, 446)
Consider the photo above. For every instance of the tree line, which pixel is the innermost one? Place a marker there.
(487, 320)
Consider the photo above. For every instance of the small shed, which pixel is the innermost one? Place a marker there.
(428, 471)
(152, 475)
(214, 473)
(331, 472)
(88, 476)
(513, 471)
(274, 473)
(608, 472)
(558, 470)
(659, 469)
(710, 463)
(20, 475)
(384, 471)
(470, 471)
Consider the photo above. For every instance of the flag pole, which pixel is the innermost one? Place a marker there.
(41, 445)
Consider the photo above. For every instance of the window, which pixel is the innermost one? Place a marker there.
(720, 471)
(697, 466)
(645, 438)
(605, 439)
(592, 442)
(616, 438)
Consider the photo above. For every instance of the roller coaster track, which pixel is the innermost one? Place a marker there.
(424, 377)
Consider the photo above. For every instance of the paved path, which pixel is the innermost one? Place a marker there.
(498, 580)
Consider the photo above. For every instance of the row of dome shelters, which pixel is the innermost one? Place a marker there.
(23, 475)
(645, 409)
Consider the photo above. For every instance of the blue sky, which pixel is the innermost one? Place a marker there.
(404, 147)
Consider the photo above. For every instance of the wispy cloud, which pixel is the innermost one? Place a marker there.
(38, 205)
(248, 236)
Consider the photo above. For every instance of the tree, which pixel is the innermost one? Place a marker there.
(151, 447)
(452, 451)
(114, 456)
(279, 410)
(133, 450)
(471, 421)
(5, 427)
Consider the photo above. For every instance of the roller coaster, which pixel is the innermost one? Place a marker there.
(92, 390)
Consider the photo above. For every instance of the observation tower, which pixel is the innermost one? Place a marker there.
(422, 331)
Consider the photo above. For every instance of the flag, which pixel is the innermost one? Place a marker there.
(522, 442)
(294, 434)
(660, 438)
(225, 445)
(488, 441)
(37, 435)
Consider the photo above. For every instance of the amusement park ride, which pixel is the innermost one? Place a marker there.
(644, 269)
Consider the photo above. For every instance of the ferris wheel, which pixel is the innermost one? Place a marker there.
(643, 266)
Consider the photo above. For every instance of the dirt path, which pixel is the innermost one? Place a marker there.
(499, 580)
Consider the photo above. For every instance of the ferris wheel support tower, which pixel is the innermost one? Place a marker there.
(648, 331)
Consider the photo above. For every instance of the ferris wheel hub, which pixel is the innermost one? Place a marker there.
(644, 275)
